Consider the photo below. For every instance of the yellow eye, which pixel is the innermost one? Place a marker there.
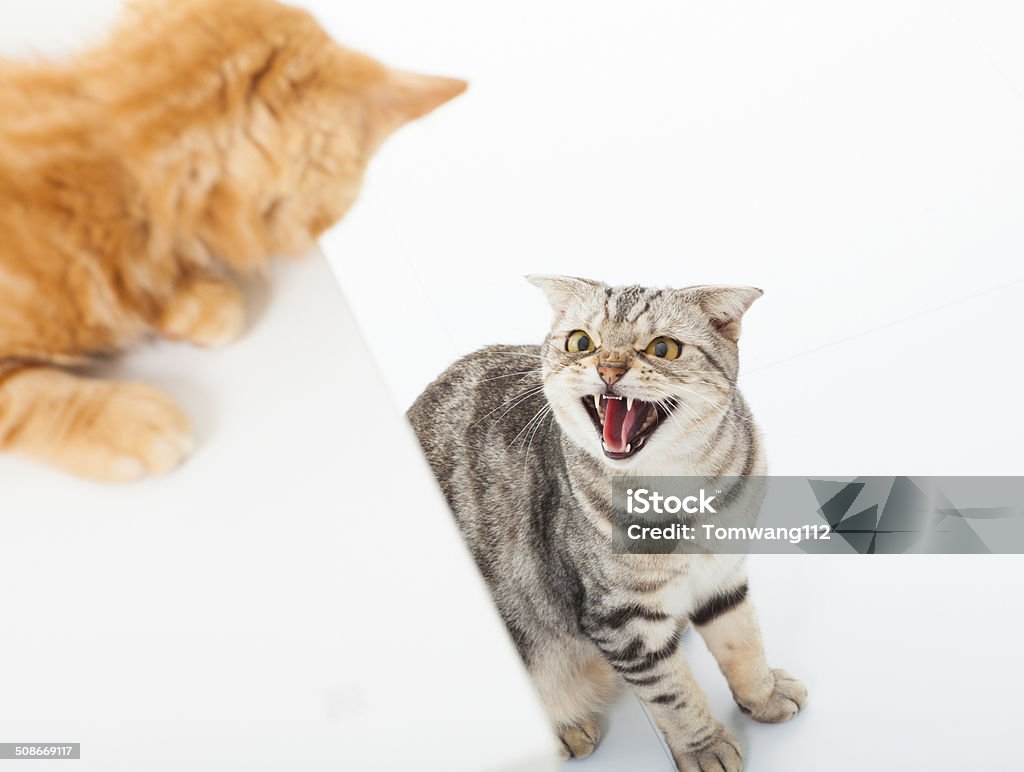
(664, 348)
(579, 342)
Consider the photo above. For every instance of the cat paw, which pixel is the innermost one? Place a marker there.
(132, 431)
(721, 753)
(786, 699)
(579, 740)
(207, 312)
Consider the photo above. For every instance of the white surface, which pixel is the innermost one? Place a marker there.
(295, 597)
(864, 164)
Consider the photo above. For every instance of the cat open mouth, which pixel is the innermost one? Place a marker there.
(625, 424)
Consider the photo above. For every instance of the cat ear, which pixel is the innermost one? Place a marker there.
(725, 305)
(405, 96)
(563, 290)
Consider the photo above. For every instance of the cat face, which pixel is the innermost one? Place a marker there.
(638, 376)
(334, 108)
(262, 123)
(325, 110)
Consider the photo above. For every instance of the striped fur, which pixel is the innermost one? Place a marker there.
(522, 466)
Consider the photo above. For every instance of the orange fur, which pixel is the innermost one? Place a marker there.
(135, 178)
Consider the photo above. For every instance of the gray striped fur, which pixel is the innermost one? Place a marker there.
(521, 465)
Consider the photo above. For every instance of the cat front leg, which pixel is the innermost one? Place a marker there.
(728, 624)
(115, 432)
(642, 645)
(574, 683)
(204, 310)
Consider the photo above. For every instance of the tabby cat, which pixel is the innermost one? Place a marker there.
(139, 178)
(638, 382)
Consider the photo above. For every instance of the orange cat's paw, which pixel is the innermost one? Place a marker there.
(127, 431)
(107, 431)
(205, 311)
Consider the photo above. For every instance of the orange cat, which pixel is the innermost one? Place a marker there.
(135, 179)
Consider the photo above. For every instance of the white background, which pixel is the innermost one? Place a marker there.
(864, 164)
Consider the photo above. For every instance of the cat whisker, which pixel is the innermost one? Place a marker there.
(527, 393)
(525, 397)
(511, 375)
(548, 411)
(728, 411)
(527, 426)
(705, 436)
(534, 420)
(716, 386)
(687, 379)
(527, 354)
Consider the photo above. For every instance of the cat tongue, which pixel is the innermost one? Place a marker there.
(614, 418)
(620, 424)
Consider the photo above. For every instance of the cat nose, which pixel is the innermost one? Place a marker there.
(610, 372)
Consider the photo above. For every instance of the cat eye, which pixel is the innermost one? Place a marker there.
(579, 342)
(664, 347)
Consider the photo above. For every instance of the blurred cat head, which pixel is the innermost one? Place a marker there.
(638, 376)
(262, 122)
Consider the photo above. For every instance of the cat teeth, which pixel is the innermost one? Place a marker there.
(597, 401)
(629, 404)
(628, 448)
